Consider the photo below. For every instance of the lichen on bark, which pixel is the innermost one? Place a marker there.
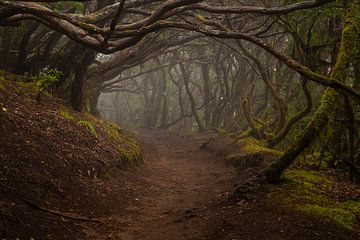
(329, 100)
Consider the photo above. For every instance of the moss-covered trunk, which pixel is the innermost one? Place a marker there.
(329, 100)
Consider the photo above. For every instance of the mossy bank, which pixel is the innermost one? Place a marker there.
(58, 159)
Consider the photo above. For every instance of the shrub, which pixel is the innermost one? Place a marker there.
(45, 80)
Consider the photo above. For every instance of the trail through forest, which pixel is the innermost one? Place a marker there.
(251, 113)
(181, 186)
(184, 193)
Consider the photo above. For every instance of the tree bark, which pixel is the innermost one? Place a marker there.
(77, 87)
(191, 97)
(329, 99)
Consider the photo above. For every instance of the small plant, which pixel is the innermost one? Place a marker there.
(88, 125)
(66, 114)
(45, 80)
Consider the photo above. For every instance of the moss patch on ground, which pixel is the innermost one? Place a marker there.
(67, 115)
(314, 193)
(87, 125)
(127, 145)
(251, 145)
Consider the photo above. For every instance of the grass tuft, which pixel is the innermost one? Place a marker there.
(88, 125)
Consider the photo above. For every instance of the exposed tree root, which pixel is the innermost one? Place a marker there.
(248, 188)
(72, 216)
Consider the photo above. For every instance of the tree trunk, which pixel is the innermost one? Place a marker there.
(206, 89)
(329, 99)
(186, 77)
(94, 102)
(77, 87)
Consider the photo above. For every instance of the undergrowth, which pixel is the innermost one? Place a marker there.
(88, 125)
(311, 192)
(128, 148)
(66, 114)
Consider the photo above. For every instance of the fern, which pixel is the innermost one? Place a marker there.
(88, 125)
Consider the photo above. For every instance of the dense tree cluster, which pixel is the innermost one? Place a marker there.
(284, 72)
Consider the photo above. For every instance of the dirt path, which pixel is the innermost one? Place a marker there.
(181, 184)
(182, 193)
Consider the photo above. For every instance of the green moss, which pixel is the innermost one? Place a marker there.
(67, 115)
(128, 146)
(311, 177)
(352, 206)
(307, 186)
(308, 193)
(338, 215)
(251, 145)
(30, 88)
(27, 84)
(88, 125)
(330, 99)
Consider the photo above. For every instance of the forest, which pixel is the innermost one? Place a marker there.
(180, 119)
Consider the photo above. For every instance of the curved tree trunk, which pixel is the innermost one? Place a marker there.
(186, 77)
(295, 118)
(329, 99)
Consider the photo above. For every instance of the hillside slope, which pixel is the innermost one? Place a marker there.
(66, 175)
(56, 165)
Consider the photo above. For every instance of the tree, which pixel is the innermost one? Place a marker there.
(110, 44)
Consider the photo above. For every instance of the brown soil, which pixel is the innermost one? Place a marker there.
(184, 194)
(180, 187)
(53, 171)
(57, 181)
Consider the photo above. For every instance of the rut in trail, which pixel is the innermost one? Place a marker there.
(181, 186)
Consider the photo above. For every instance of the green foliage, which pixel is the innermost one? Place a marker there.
(66, 114)
(317, 18)
(309, 193)
(45, 80)
(88, 125)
